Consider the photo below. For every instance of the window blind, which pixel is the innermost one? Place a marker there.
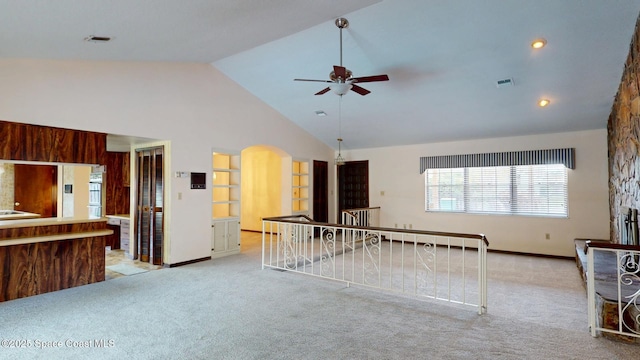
(539, 190)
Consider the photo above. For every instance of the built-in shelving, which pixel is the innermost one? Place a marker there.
(225, 222)
(300, 187)
(226, 186)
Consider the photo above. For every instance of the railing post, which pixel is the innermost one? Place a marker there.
(591, 292)
(263, 242)
(485, 304)
(480, 280)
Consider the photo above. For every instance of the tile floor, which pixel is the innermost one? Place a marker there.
(114, 257)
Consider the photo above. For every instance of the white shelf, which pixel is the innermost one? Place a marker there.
(299, 186)
(225, 202)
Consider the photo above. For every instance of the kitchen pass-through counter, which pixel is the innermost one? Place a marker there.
(50, 254)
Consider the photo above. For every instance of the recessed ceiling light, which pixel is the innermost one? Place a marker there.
(321, 113)
(544, 102)
(538, 43)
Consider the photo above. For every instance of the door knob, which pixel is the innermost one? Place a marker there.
(17, 203)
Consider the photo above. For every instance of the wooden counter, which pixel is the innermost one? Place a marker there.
(43, 255)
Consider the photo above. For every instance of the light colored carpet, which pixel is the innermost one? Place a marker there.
(229, 308)
(125, 269)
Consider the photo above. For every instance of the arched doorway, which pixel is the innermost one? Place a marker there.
(265, 185)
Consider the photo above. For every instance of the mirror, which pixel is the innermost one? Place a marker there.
(39, 190)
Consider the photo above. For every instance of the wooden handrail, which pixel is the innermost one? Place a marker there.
(288, 219)
(608, 245)
(348, 212)
(367, 208)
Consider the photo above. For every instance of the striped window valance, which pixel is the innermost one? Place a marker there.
(510, 158)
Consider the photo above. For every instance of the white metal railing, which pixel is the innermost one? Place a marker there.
(361, 217)
(437, 265)
(614, 267)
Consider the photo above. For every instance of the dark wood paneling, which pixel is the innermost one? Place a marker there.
(113, 240)
(42, 143)
(116, 191)
(38, 190)
(34, 231)
(37, 268)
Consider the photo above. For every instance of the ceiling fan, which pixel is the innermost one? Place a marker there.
(341, 80)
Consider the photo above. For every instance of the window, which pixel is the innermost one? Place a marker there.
(520, 190)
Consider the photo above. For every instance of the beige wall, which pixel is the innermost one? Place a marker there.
(261, 186)
(395, 170)
(192, 108)
(81, 190)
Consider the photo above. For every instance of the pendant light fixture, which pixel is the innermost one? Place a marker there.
(339, 159)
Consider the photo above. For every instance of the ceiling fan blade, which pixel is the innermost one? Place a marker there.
(360, 90)
(371, 78)
(340, 71)
(323, 91)
(324, 81)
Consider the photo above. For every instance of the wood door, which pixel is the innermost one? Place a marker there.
(36, 189)
(149, 207)
(320, 191)
(353, 186)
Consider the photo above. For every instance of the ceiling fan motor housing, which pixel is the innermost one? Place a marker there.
(333, 76)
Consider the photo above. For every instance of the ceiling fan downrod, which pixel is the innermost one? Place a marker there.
(341, 23)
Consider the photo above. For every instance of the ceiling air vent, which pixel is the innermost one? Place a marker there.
(504, 83)
(94, 38)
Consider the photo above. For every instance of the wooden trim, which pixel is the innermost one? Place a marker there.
(188, 262)
(532, 254)
(290, 220)
(40, 222)
(608, 245)
(58, 237)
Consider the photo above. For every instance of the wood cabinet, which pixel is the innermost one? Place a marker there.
(225, 238)
(44, 255)
(113, 240)
(300, 187)
(42, 143)
(117, 199)
(225, 208)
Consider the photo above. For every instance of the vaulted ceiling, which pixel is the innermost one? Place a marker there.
(443, 57)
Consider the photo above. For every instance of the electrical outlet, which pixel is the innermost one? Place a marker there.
(547, 236)
(395, 225)
(410, 226)
(382, 193)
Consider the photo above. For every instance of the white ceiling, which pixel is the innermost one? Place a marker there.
(443, 57)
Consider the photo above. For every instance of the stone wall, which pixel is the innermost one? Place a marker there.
(6, 186)
(624, 139)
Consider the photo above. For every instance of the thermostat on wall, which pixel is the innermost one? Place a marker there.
(198, 180)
